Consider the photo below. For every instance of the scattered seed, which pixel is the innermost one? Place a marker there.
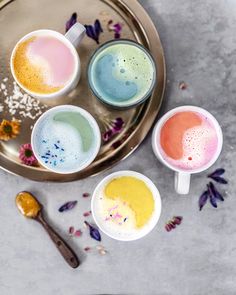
(86, 195)
(71, 230)
(20, 103)
(99, 247)
(86, 214)
(102, 252)
(171, 224)
(78, 233)
(87, 249)
(182, 85)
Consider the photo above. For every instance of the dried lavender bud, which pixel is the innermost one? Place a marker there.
(203, 199)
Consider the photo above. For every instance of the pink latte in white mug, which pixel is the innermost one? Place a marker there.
(45, 63)
(188, 140)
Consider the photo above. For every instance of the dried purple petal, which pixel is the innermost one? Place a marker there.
(71, 230)
(211, 196)
(168, 227)
(78, 233)
(67, 206)
(116, 144)
(112, 127)
(94, 232)
(90, 32)
(94, 31)
(213, 201)
(87, 249)
(116, 28)
(117, 35)
(171, 224)
(215, 192)
(106, 136)
(219, 179)
(117, 125)
(86, 195)
(177, 220)
(71, 21)
(202, 200)
(217, 172)
(86, 214)
(97, 27)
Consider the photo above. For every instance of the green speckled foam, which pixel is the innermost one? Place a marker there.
(80, 124)
(122, 73)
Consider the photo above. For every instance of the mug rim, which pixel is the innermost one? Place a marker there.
(90, 119)
(67, 86)
(156, 196)
(169, 114)
(130, 105)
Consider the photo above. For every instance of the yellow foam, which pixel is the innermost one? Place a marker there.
(136, 194)
(29, 74)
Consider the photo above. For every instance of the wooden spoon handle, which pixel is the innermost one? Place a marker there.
(61, 245)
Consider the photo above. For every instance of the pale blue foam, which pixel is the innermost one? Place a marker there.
(64, 141)
(108, 85)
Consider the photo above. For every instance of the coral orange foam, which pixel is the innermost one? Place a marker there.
(172, 133)
(188, 140)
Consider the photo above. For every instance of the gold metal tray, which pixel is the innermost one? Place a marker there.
(22, 16)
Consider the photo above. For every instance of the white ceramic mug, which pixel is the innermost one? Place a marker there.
(98, 218)
(182, 177)
(71, 39)
(37, 140)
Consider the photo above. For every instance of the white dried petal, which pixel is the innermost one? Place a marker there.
(102, 252)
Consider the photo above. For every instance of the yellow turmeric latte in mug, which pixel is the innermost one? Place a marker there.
(126, 204)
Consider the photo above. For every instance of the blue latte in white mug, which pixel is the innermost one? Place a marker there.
(66, 139)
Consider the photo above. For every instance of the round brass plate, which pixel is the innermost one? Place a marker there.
(18, 18)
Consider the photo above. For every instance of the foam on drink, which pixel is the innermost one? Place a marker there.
(122, 73)
(188, 140)
(43, 64)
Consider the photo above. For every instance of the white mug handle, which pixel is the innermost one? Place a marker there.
(182, 182)
(76, 34)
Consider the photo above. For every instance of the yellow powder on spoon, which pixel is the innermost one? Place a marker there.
(135, 193)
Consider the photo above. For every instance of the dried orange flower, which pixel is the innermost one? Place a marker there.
(9, 129)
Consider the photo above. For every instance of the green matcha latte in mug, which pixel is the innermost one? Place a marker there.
(122, 73)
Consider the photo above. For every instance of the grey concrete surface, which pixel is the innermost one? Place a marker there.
(198, 258)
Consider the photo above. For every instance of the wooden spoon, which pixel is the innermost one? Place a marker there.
(29, 206)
